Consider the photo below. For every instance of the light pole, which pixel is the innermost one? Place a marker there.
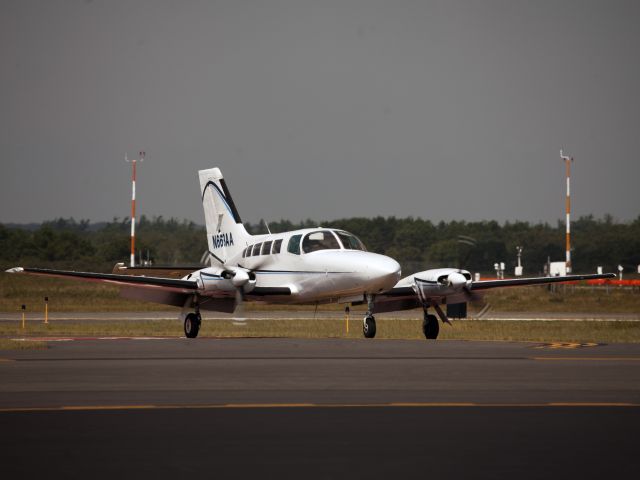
(133, 205)
(568, 161)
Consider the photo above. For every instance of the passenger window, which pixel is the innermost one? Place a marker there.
(266, 248)
(277, 245)
(294, 244)
(322, 240)
(256, 249)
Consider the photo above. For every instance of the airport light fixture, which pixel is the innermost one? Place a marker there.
(518, 269)
(620, 269)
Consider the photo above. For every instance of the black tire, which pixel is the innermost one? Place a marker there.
(369, 327)
(430, 327)
(192, 325)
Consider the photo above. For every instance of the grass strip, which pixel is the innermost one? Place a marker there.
(9, 344)
(74, 296)
(615, 331)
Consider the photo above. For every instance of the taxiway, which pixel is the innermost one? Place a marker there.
(329, 408)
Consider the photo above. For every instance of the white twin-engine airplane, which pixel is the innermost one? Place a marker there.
(309, 266)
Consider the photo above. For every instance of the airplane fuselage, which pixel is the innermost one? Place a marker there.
(310, 265)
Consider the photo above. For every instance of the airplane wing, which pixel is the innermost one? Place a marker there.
(515, 282)
(452, 286)
(172, 284)
(167, 291)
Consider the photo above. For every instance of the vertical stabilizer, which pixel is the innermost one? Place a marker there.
(226, 235)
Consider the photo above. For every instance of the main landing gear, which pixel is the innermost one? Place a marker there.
(430, 326)
(192, 324)
(369, 324)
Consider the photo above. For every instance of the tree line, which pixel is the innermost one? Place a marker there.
(416, 243)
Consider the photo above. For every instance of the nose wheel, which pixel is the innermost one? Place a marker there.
(192, 325)
(369, 326)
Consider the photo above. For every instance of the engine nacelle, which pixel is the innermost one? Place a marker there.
(440, 282)
(217, 279)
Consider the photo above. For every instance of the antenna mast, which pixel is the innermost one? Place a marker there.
(568, 160)
(133, 205)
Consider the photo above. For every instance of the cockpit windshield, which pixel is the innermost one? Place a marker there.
(350, 242)
(326, 240)
(320, 240)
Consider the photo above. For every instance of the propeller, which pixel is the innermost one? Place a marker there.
(462, 278)
(239, 278)
(477, 299)
(238, 314)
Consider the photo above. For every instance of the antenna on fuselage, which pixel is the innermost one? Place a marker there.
(266, 225)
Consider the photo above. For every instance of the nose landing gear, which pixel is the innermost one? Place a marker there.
(369, 324)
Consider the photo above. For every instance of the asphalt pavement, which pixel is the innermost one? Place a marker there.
(237, 408)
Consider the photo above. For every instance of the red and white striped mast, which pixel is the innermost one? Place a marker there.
(133, 206)
(568, 161)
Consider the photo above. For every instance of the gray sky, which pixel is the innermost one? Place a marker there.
(320, 109)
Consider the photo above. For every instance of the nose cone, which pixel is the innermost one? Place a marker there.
(384, 272)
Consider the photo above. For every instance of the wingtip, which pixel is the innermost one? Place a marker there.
(15, 270)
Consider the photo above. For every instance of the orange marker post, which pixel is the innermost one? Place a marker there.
(46, 310)
(23, 309)
(346, 318)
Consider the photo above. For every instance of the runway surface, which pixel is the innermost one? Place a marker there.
(320, 409)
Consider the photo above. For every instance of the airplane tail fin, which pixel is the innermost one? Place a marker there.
(226, 235)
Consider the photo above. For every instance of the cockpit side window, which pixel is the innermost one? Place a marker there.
(321, 240)
(350, 242)
(266, 248)
(294, 245)
(276, 246)
(256, 249)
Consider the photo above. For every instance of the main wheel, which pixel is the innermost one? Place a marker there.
(430, 326)
(192, 325)
(369, 326)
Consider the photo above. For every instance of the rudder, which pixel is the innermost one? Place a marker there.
(226, 235)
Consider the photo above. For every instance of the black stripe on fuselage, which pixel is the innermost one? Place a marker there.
(266, 291)
(310, 272)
